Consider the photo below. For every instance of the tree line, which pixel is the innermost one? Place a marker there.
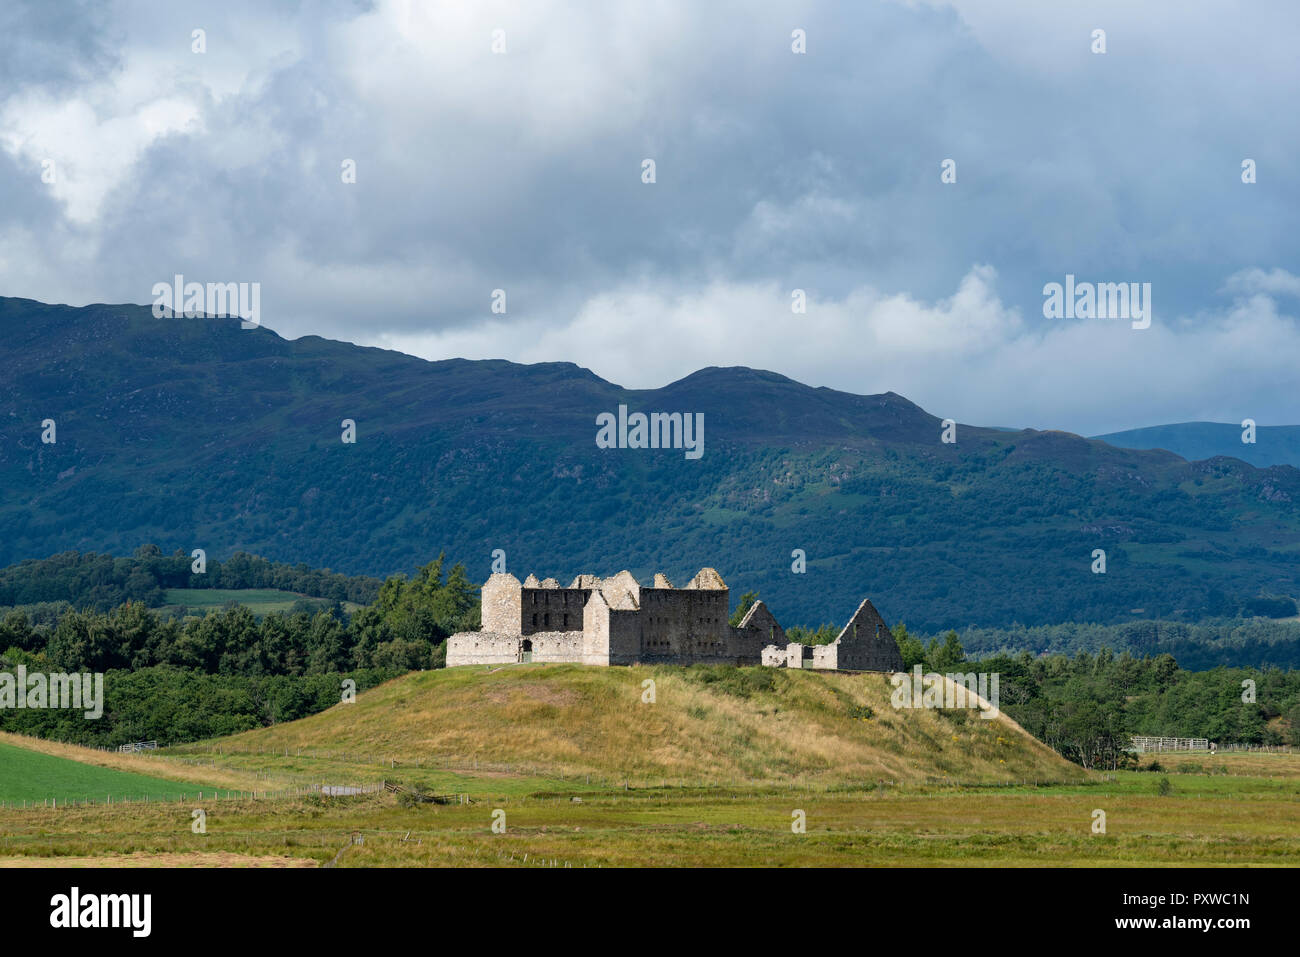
(1212, 643)
(179, 680)
(1088, 706)
(403, 628)
(101, 582)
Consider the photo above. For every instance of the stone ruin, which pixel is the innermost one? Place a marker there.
(618, 621)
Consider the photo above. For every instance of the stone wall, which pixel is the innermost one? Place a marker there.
(595, 630)
(552, 609)
(756, 631)
(624, 636)
(622, 584)
(557, 646)
(826, 657)
(481, 648)
(866, 643)
(501, 608)
(685, 623)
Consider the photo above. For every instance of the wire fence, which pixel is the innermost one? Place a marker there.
(1144, 744)
(1151, 744)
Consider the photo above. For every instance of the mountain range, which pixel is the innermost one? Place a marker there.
(1273, 445)
(195, 433)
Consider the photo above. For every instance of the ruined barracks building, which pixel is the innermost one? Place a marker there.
(617, 621)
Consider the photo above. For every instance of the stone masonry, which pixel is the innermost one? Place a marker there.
(618, 621)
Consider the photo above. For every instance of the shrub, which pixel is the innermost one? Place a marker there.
(729, 679)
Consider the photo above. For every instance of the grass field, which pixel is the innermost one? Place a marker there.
(260, 601)
(27, 775)
(1247, 763)
(195, 773)
(1222, 820)
(678, 786)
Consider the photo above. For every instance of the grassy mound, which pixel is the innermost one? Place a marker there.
(704, 726)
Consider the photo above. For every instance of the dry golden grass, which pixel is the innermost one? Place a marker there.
(752, 725)
(1242, 822)
(1250, 763)
(763, 743)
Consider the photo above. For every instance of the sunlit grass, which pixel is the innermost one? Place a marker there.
(884, 827)
(571, 723)
(710, 774)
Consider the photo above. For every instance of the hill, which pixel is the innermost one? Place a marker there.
(195, 433)
(1274, 444)
(707, 725)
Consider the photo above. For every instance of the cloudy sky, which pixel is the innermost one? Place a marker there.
(774, 171)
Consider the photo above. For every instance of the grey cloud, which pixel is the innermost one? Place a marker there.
(522, 171)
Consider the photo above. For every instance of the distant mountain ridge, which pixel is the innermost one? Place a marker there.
(196, 433)
(1273, 445)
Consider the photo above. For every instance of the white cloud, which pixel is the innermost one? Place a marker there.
(776, 171)
(1272, 282)
(96, 133)
(93, 149)
(967, 356)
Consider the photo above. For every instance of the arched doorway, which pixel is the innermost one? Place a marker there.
(526, 650)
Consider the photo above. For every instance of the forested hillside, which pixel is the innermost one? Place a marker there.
(193, 433)
(91, 581)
